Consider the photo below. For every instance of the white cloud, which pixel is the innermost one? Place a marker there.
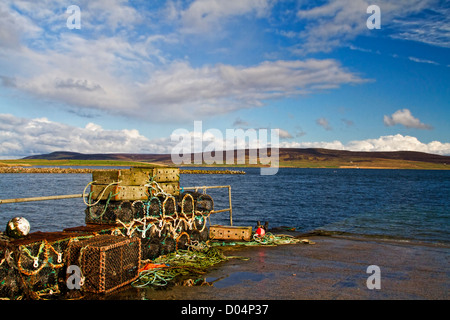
(432, 27)
(223, 88)
(120, 72)
(405, 118)
(176, 89)
(284, 134)
(418, 60)
(336, 22)
(333, 145)
(205, 15)
(21, 137)
(396, 142)
(332, 24)
(399, 142)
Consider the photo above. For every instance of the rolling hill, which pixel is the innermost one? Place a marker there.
(314, 158)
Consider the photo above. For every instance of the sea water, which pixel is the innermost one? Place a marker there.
(395, 204)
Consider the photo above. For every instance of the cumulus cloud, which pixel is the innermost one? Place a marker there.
(21, 137)
(177, 88)
(399, 142)
(396, 142)
(405, 118)
(223, 88)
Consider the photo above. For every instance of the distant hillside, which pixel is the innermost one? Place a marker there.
(64, 155)
(295, 154)
(291, 158)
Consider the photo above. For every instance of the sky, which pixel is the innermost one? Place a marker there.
(122, 76)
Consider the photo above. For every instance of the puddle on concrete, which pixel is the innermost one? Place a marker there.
(236, 278)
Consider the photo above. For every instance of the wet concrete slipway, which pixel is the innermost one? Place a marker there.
(333, 268)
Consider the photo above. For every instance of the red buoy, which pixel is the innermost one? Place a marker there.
(260, 232)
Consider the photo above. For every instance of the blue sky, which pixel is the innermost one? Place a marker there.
(136, 71)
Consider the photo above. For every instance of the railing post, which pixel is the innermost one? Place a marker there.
(231, 209)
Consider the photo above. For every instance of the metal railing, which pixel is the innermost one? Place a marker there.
(204, 188)
(66, 196)
(71, 196)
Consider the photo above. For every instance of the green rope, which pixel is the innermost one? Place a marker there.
(158, 278)
(179, 263)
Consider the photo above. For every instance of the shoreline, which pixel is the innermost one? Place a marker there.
(333, 268)
(58, 170)
(70, 170)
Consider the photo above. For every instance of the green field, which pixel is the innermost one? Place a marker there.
(296, 163)
(364, 164)
(75, 163)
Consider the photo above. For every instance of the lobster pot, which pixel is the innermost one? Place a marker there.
(204, 203)
(196, 201)
(169, 206)
(106, 262)
(37, 270)
(9, 287)
(38, 262)
(150, 248)
(107, 212)
(187, 204)
(198, 235)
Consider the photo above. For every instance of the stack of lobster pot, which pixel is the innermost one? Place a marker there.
(146, 202)
(118, 194)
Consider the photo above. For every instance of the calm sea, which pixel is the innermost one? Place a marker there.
(395, 204)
